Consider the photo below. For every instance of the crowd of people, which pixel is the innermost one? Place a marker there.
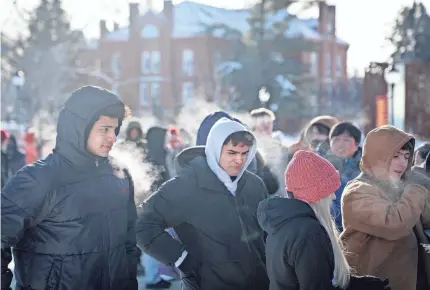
(239, 210)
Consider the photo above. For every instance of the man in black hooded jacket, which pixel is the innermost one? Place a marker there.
(70, 218)
(212, 206)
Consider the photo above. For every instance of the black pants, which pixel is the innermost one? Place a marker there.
(422, 283)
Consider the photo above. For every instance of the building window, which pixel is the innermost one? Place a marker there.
(188, 62)
(145, 62)
(115, 64)
(328, 65)
(155, 62)
(155, 94)
(149, 32)
(187, 92)
(143, 94)
(150, 62)
(314, 63)
(339, 66)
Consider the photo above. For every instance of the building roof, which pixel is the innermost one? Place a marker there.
(192, 19)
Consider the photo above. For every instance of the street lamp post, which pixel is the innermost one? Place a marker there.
(18, 81)
(392, 77)
(264, 96)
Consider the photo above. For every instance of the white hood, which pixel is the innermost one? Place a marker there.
(217, 135)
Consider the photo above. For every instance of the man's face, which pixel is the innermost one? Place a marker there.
(134, 133)
(343, 145)
(263, 125)
(314, 137)
(102, 136)
(398, 165)
(233, 158)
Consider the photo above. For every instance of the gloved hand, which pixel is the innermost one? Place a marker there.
(190, 269)
(189, 265)
(368, 283)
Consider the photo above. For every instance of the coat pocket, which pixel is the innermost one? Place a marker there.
(55, 274)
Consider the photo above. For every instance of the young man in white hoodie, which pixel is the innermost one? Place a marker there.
(212, 206)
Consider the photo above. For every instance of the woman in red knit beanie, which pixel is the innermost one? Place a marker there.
(302, 247)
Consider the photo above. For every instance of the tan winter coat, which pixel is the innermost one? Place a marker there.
(378, 220)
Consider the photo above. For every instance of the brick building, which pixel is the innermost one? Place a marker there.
(164, 60)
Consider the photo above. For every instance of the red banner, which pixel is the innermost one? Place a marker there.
(381, 110)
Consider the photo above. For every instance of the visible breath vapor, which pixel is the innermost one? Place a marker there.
(126, 155)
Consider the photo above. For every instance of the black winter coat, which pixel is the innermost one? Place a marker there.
(15, 159)
(70, 218)
(216, 228)
(299, 253)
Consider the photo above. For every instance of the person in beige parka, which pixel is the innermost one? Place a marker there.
(380, 209)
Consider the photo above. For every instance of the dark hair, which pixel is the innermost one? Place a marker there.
(409, 145)
(424, 150)
(346, 127)
(322, 129)
(261, 112)
(240, 137)
(114, 111)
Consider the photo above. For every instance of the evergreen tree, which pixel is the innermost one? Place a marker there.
(47, 56)
(411, 34)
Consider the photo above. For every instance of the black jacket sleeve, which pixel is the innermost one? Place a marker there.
(161, 211)
(263, 171)
(24, 204)
(133, 252)
(313, 262)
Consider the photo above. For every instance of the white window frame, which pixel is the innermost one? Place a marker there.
(188, 62)
(155, 62)
(155, 87)
(145, 62)
(187, 92)
(339, 65)
(314, 63)
(143, 94)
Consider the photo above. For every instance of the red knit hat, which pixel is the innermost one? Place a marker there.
(310, 177)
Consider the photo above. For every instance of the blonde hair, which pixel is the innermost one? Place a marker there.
(342, 271)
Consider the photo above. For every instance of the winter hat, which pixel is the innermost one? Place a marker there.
(310, 177)
(325, 120)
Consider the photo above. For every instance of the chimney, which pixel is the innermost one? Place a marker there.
(103, 29)
(168, 11)
(331, 19)
(133, 14)
(115, 26)
(133, 18)
(322, 18)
